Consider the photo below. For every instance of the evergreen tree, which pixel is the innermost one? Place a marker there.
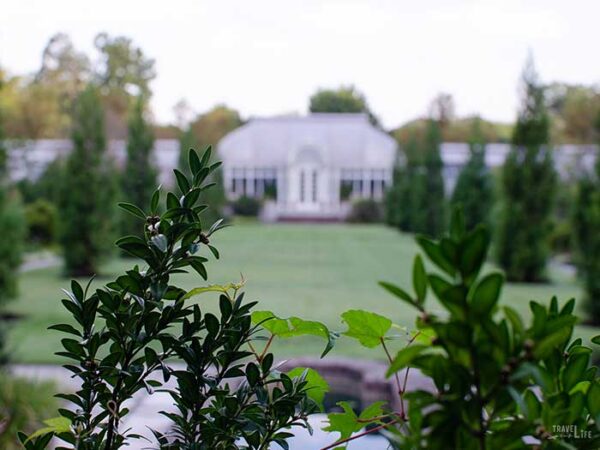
(474, 187)
(412, 215)
(12, 224)
(434, 201)
(528, 189)
(187, 142)
(393, 207)
(403, 195)
(587, 237)
(87, 191)
(408, 199)
(140, 177)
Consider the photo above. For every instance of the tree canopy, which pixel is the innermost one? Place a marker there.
(345, 99)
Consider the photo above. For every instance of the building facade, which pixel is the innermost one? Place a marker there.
(308, 167)
(302, 167)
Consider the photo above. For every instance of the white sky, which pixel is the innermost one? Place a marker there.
(267, 56)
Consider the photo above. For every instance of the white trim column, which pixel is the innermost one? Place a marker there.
(250, 182)
(366, 181)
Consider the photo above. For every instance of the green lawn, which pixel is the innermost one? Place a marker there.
(313, 271)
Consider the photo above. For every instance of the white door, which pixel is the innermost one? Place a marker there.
(307, 180)
(308, 188)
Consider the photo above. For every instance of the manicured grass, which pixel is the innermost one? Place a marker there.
(312, 271)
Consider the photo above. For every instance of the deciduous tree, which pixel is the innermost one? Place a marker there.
(345, 99)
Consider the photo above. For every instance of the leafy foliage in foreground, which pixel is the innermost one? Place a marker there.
(229, 395)
(497, 382)
(23, 404)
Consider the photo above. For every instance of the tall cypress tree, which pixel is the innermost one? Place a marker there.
(139, 179)
(415, 202)
(399, 198)
(528, 189)
(413, 215)
(586, 228)
(87, 191)
(474, 189)
(434, 203)
(12, 224)
(187, 141)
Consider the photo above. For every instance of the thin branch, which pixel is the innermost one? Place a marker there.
(267, 345)
(356, 436)
(410, 341)
(397, 377)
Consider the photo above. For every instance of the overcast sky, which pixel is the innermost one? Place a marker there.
(267, 56)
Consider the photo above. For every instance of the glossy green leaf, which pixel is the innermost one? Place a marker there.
(474, 251)
(582, 387)
(344, 422)
(373, 411)
(155, 200)
(435, 254)
(532, 404)
(515, 320)
(221, 288)
(404, 357)
(132, 209)
(457, 223)
(397, 292)
(182, 181)
(55, 425)
(194, 161)
(419, 279)
(593, 399)
(367, 327)
(555, 340)
(316, 386)
(573, 373)
(486, 294)
(293, 327)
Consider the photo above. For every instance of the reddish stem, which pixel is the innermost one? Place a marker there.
(364, 433)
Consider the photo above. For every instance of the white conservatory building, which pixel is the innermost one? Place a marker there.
(308, 167)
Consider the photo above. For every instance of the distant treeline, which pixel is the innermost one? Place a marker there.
(39, 105)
